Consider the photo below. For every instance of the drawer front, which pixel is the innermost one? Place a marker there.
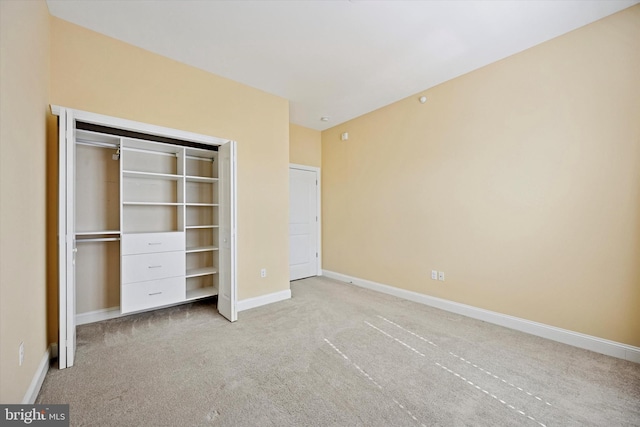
(145, 243)
(140, 268)
(156, 293)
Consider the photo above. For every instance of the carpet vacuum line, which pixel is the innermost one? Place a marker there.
(469, 362)
(457, 375)
(367, 376)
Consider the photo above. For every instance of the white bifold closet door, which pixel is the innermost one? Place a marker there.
(227, 175)
(66, 240)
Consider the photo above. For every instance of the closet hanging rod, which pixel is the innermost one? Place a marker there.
(100, 239)
(159, 153)
(96, 233)
(212, 159)
(96, 143)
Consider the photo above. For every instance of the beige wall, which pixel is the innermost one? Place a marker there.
(96, 73)
(305, 146)
(24, 85)
(521, 181)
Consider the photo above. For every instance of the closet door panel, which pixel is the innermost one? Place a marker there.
(227, 216)
(66, 244)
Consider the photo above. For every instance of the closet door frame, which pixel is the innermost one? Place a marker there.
(66, 212)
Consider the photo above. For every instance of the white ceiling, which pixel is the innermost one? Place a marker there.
(339, 59)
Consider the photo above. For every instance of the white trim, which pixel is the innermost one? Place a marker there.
(38, 378)
(97, 315)
(576, 339)
(116, 122)
(304, 167)
(318, 210)
(62, 236)
(250, 303)
(234, 229)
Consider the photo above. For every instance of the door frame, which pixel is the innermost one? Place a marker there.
(316, 170)
(67, 117)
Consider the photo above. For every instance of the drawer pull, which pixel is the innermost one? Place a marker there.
(155, 293)
(154, 243)
(155, 266)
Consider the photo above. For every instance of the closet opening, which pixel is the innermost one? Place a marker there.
(146, 220)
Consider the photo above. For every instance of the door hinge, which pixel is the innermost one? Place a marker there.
(316, 254)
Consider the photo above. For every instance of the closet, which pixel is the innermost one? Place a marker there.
(146, 220)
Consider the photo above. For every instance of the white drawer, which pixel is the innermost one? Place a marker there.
(140, 268)
(156, 293)
(145, 243)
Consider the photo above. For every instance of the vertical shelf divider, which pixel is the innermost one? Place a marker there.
(121, 183)
(182, 193)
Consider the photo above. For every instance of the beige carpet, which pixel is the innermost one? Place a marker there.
(335, 355)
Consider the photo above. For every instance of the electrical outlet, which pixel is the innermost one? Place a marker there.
(263, 272)
(434, 275)
(21, 354)
(441, 275)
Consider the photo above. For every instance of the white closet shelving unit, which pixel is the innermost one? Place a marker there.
(147, 219)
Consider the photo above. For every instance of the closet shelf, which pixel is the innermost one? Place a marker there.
(98, 239)
(202, 204)
(151, 175)
(201, 249)
(97, 233)
(201, 272)
(209, 291)
(201, 226)
(193, 178)
(151, 204)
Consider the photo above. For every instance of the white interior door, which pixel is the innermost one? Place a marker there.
(303, 223)
(227, 202)
(66, 240)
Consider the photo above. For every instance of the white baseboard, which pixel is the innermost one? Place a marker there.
(38, 378)
(576, 339)
(246, 304)
(250, 303)
(98, 315)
